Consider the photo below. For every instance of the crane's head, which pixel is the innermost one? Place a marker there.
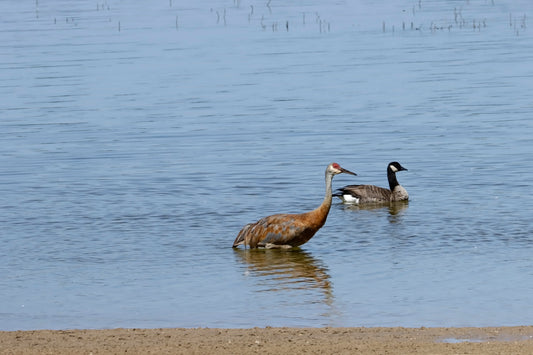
(335, 169)
(395, 167)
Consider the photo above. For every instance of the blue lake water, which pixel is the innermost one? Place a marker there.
(137, 139)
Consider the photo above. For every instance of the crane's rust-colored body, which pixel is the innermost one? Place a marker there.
(289, 230)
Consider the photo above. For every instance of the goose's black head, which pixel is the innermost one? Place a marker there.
(392, 169)
(395, 167)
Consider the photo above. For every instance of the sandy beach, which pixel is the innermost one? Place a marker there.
(496, 340)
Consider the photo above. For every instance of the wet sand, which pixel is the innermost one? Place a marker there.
(498, 340)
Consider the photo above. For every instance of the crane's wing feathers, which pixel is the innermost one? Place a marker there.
(276, 230)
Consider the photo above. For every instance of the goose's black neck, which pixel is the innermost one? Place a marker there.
(393, 182)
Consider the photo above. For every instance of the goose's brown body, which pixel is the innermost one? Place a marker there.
(367, 194)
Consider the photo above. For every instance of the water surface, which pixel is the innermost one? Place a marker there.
(138, 139)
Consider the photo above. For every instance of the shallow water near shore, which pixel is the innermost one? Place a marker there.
(138, 139)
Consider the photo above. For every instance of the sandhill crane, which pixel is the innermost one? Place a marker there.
(289, 230)
(363, 194)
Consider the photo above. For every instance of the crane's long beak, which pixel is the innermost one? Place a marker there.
(347, 172)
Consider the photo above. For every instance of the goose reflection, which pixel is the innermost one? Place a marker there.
(394, 208)
(281, 270)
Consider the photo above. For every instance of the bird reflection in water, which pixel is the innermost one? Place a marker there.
(287, 270)
(395, 209)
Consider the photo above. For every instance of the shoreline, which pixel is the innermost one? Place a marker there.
(269, 340)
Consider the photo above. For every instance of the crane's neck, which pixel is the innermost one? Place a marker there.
(320, 214)
(393, 182)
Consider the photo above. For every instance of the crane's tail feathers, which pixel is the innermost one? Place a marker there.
(238, 242)
(241, 237)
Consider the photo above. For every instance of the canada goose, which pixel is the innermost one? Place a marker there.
(360, 194)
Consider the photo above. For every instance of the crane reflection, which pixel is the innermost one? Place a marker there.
(280, 270)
